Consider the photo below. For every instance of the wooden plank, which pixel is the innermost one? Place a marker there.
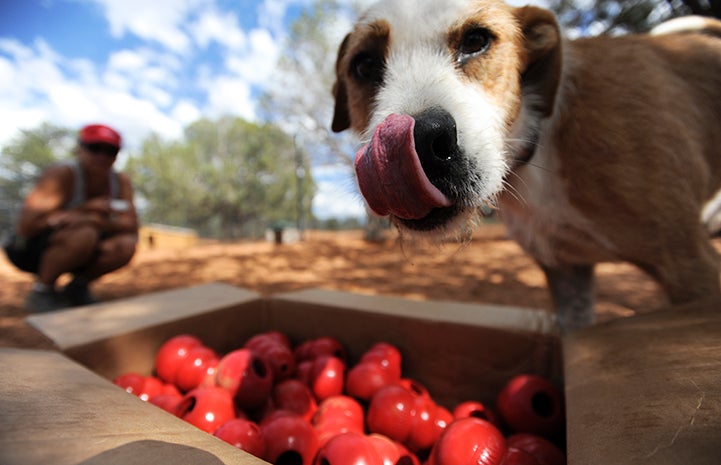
(53, 411)
(646, 389)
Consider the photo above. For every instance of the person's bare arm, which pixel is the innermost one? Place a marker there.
(41, 208)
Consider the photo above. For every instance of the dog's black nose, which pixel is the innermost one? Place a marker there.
(435, 138)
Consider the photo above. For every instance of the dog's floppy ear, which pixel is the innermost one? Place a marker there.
(341, 114)
(542, 69)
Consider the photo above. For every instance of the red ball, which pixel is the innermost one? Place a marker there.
(171, 353)
(289, 439)
(519, 457)
(542, 449)
(469, 441)
(131, 382)
(532, 404)
(152, 387)
(243, 434)
(340, 408)
(167, 402)
(336, 415)
(386, 355)
(294, 395)
(472, 408)
(324, 375)
(392, 451)
(274, 348)
(207, 408)
(315, 348)
(390, 413)
(443, 418)
(247, 377)
(366, 378)
(195, 367)
(348, 449)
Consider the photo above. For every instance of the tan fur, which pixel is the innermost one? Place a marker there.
(638, 150)
(628, 148)
(374, 37)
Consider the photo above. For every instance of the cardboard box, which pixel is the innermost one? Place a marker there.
(458, 351)
(639, 390)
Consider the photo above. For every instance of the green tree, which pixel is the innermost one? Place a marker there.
(22, 161)
(228, 178)
(300, 98)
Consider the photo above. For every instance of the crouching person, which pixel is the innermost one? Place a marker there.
(80, 219)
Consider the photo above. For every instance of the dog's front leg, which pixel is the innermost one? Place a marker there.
(572, 290)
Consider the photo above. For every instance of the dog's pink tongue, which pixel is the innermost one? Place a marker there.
(390, 175)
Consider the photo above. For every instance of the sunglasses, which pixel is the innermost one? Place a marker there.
(102, 149)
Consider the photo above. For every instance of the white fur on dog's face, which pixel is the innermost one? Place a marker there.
(422, 71)
(421, 74)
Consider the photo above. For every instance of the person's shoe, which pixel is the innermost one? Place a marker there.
(39, 301)
(77, 294)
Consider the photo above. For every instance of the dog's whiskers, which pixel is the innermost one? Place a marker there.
(513, 191)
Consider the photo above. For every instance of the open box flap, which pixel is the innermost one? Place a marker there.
(123, 335)
(78, 326)
(57, 412)
(646, 389)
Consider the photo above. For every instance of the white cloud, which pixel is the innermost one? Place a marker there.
(271, 14)
(38, 85)
(257, 64)
(141, 73)
(230, 95)
(158, 20)
(127, 61)
(185, 112)
(221, 27)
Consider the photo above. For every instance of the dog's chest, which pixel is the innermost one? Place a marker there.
(539, 215)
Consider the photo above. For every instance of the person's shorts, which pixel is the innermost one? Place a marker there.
(27, 253)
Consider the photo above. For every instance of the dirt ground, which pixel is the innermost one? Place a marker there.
(489, 269)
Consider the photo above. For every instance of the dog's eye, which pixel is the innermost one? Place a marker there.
(367, 67)
(474, 42)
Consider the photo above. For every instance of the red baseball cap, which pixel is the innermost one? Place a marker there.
(99, 133)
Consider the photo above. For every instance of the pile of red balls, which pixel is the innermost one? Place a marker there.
(305, 404)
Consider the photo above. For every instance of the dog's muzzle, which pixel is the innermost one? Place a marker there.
(404, 169)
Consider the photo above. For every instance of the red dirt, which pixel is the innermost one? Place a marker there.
(489, 269)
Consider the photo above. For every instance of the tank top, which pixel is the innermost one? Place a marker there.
(79, 182)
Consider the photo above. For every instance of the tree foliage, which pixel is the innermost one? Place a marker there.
(299, 98)
(22, 161)
(620, 16)
(228, 178)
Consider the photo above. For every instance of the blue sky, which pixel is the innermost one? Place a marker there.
(171, 61)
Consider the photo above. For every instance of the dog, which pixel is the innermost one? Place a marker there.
(593, 150)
